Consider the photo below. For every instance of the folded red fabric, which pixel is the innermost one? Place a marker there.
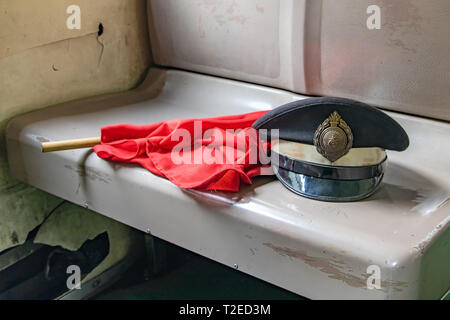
(205, 154)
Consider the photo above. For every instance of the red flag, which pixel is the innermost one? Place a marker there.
(205, 154)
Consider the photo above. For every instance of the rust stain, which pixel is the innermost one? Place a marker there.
(402, 19)
(400, 44)
(42, 139)
(232, 7)
(220, 19)
(423, 245)
(334, 268)
(330, 266)
(14, 237)
(89, 173)
(201, 29)
(239, 19)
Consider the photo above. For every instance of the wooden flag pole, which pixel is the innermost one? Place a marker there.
(70, 144)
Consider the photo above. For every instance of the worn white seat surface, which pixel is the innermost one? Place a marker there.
(317, 249)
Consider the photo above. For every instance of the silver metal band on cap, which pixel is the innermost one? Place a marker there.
(324, 171)
(327, 189)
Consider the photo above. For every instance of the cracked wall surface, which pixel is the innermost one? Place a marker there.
(43, 63)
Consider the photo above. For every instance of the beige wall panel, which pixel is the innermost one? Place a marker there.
(317, 47)
(42, 62)
(403, 66)
(253, 40)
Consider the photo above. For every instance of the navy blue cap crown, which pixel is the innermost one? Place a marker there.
(297, 121)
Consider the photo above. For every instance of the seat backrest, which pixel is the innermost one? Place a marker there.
(318, 47)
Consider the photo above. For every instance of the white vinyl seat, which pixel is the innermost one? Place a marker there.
(316, 249)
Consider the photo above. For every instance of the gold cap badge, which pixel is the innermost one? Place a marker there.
(333, 138)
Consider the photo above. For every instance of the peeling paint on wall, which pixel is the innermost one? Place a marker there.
(22, 209)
